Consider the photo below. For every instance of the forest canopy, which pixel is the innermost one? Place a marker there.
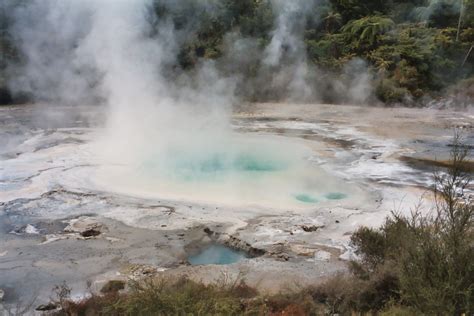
(407, 51)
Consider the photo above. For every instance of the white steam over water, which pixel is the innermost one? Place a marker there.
(108, 44)
(166, 137)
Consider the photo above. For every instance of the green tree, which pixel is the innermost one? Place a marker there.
(332, 21)
(468, 17)
(355, 9)
(366, 31)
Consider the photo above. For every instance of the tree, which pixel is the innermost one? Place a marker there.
(437, 272)
(355, 9)
(332, 21)
(365, 31)
(461, 13)
(440, 13)
(468, 17)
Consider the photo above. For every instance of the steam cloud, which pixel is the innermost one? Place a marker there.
(88, 51)
(159, 116)
(288, 39)
(423, 13)
(115, 52)
(75, 50)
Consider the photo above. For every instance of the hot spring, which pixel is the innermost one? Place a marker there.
(217, 254)
(244, 170)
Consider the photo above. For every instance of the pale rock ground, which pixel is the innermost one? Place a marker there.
(47, 183)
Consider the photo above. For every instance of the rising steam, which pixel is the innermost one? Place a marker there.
(120, 54)
(166, 126)
(88, 51)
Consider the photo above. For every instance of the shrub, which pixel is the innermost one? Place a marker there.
(398, 310)
(437, 270)
(389, 92)
(424, 261)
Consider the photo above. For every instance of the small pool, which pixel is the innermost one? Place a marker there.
(311, 199)
(217, 254)
(306, 198)
(336, 196)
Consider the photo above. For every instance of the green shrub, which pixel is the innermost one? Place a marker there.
(398, 310)
(389, 92)
(427, 261)
(182, 297)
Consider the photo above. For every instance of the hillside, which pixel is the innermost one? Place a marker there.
(333, 51)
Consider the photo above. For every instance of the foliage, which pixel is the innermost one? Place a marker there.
(414, 46)
(431, 254)
(468, 14)
(355, 9)
(183, 296)
(367, 30)
(389, 91)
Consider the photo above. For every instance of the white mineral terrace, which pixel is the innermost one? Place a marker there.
(292, 180)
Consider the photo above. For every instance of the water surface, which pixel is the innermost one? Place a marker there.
(217, 254)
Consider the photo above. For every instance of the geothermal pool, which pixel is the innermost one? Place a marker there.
(266, 171)
(217, 254)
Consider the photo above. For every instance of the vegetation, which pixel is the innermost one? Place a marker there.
(7, 53)
(421, 264)
(413, 48)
